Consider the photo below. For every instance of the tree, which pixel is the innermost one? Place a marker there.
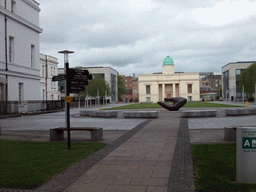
(121, 86)
(97, 84)
(248, 79)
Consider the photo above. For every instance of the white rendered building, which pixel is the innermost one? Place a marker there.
(155, 87)
(19, 50)
(49, 68)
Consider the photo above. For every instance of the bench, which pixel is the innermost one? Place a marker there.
(238, 112)
(57, 134)
(140, 114)
(199, 113)
(85, 112)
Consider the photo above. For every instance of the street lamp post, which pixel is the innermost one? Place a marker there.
(67, 114)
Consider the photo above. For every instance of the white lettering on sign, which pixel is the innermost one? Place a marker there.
(253, 143)
(246, 143)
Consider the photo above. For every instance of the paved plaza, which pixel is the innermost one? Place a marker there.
(141, 155)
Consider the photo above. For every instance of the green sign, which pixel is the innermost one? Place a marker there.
(249, 142)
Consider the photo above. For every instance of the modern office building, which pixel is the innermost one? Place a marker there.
(230, 75)
(19, 50)
(157, 86)
(108, 73)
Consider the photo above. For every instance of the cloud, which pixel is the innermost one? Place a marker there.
(135, 36)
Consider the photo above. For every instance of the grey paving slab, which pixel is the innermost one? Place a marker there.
(220, 123)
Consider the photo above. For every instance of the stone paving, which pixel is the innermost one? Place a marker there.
(143, 163)
(155, 156)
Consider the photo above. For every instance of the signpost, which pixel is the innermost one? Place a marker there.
(59, 78)
(246, 154)
(76, 79)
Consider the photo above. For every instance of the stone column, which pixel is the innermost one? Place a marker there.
(173, 90)
(163, 89)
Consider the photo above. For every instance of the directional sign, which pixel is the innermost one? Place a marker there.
(78, 77)
(78, 83)
(78, 71)
(59, 78)
(76, 89)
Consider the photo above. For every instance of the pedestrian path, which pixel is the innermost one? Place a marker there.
(143, 163)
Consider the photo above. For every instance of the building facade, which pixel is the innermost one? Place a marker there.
(110, 76)
(230, 75)
(48, 88)
(210, 86)
(127, 97)
(108, 73)
(156, 87)
(19, 50)
(135, 89)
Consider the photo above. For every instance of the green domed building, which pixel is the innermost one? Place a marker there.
(168, 65)
(157, 86)
(168, 61)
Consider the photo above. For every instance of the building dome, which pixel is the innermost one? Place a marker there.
(168, 61)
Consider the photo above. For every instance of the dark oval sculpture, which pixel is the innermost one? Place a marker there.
(178, 102)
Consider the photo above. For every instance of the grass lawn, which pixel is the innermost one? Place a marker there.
(215, 168)
(187, 105)
(27, 164)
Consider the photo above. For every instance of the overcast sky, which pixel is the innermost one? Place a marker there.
(134, 36)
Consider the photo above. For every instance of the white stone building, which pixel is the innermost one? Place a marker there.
(49, 68)
(19, 50)
(157, 86)
(230, 75)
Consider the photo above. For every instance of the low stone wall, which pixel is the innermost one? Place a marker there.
(140, 114)
(240, 111)
(99, 113)
(230, 133)
(199, 113)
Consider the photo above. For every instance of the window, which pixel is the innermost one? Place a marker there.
(11, 49)
(51, 71)
(189, 98)
(189, 88)
(32, 56)
(148, 99)
(20, 92)
(54, 71)
(42, 70)
(148, 89)
(13, 6)
(238, 72)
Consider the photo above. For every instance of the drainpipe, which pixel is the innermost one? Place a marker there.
(46, 75)
(6, 59)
